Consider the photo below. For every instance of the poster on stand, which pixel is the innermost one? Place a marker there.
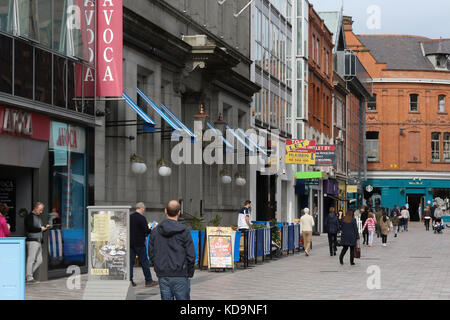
(219, 247)
(109, 243)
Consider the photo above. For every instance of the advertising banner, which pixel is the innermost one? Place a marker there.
(325, 156)
(109, 48)
(220, 247)
(300, 151)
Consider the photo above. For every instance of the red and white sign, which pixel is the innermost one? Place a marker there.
(22, 123)
(109, 48)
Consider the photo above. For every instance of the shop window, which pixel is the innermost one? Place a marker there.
(23, 73)
(414, 103)
(447, 147)
(43, 78)
(6, 7)
(372, 144)
(441, 104)
(59, 81)
(6, 64)
(67, 158)
(372, 103)
(435, 146)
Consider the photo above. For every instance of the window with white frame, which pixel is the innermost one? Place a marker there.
(441, 104)
(447, 147)
(435, 146)
(414, 102)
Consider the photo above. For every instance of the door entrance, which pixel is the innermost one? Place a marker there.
(265, 197)
(414, 201)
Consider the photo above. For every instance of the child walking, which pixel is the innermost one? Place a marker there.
(370, 224)
(384, 228)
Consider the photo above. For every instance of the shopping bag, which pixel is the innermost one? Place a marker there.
(357, 250)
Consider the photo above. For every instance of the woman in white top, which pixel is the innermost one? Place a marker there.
(405, 216)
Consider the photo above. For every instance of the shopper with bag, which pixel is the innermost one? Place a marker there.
(384, 228)
(349, 237)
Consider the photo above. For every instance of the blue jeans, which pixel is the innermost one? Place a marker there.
(175, 287)
(143, 261)
(405, 226)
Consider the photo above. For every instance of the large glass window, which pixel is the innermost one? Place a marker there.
(372, 146)
(59, 80)
(447, 147)
(372, 103)
(6, 7)
(6, 64)
(23, 73)
(43, 76)
(27, 19)
(67, 157)
(435, 146)
(45, 22)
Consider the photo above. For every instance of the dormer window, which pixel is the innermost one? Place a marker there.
(441, 61)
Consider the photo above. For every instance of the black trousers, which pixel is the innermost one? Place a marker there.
(384, 238)
(332, 242)
(344, 251)
(366, 236)
(427, 224)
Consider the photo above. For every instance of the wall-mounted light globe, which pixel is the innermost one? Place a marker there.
(138, 167)
(164, 171)
(240, 182)
(226, 179)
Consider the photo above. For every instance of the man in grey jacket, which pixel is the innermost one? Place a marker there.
(173, 255)
(35, 230)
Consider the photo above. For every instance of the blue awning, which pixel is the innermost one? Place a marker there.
(138, 110)
(158, 110)
(178, 121)
(218, 133)
(239, 138)
(251, 141)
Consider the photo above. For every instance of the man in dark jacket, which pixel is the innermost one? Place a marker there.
(173, 255)
(332, 229)
(138, 232)
(35, 238)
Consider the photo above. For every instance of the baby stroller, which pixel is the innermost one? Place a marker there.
(438, 226)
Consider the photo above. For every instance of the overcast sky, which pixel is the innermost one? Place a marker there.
(430, 18)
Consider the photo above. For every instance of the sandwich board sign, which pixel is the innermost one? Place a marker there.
(219, 248)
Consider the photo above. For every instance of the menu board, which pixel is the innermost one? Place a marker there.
(219, 248)
(109, 243)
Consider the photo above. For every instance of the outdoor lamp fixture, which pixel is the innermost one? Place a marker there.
(225, 177)
(202, 114)
(164, 170)
(240, 181)
(220, 124)
(138, 165)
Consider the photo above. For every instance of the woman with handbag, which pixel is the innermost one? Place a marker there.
(384, 228)
(349, 236)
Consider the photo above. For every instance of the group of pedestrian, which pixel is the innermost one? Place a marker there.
(433, 214)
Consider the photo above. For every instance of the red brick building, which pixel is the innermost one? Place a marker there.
(407, 123)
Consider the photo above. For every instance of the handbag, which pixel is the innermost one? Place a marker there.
(338, 239)
(357, 250)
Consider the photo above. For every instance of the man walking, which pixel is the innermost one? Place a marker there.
(405, 216)
(244, 223)
(173, 255)
(35, 239)
(138, 232)
(306, 228)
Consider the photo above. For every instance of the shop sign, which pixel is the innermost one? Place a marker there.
(110, 48)
(65, 137)
(18, 121)
(300, 151)
(309, 175)
(325, 156)
(352, 189)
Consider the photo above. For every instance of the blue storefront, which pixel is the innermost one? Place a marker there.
(416, 192)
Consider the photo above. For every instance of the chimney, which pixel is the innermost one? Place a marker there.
(348, 23)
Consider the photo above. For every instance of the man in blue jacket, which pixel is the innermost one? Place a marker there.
(173, 255)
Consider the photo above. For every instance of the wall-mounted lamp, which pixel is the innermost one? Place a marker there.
(401, 131)
(138, 165)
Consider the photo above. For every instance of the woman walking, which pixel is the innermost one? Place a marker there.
(405, 216)
(396, 222)
(4, 227)
(370, 224)
(427, 217)
(384, 228)
(349, 236)
(364, 217)
(333, 228)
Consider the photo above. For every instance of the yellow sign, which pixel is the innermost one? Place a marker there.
(352, 189)
(100, 272)
(300, 158)
(101, 227)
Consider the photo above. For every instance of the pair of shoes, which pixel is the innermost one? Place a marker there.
(335, 253)
(352, 263)
(306, 253)
(331, 254)
(395, 236)
(32, 281)
(341, 262)
(370, 245)
(384, 245)
(133, 284)
(151, 283)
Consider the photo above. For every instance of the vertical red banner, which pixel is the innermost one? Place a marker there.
(109, 48)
